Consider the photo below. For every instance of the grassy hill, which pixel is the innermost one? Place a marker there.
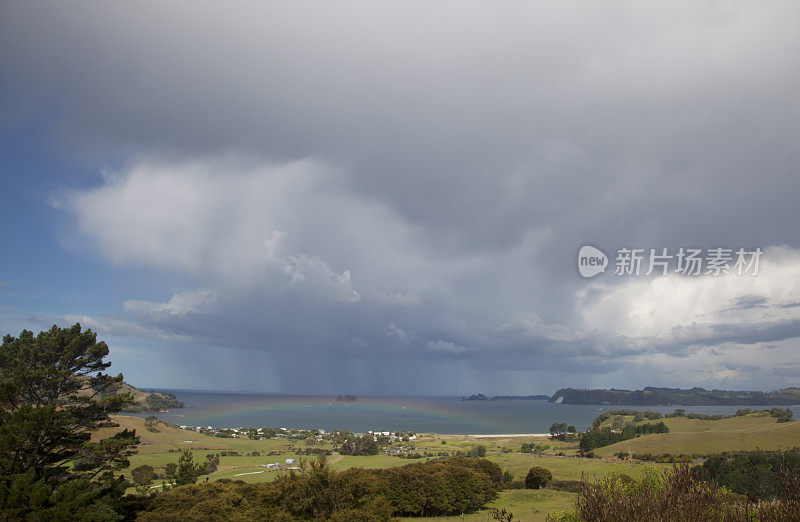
(144, 402)
(706, 437)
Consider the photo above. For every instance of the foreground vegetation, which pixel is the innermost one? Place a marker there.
(66, 455)
(446, 487)
(678, 495)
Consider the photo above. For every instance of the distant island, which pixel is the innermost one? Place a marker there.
(520, 398)
(651, 396)
(482, 397)
(346, 398)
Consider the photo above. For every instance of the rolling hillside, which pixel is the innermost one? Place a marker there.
(706, 437)
(145, 402)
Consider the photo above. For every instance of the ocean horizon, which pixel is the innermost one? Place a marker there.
(445, 415)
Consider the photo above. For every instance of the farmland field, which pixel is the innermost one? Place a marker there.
(688, 436)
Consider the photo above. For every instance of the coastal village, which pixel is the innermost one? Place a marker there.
(399, 443)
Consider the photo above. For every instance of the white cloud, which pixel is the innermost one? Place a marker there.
(684, 308)
(107, 325)
(399, 334)
(197, 301)
(445, 346)
(238, 224)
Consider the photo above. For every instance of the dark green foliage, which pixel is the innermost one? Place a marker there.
(154, 402)
(756, 474)
(143, 475)
(51, 400)
(534, 448)
(538, 478)
(599, 437)
(558, 430)
(702, 416)
(664, 458)
(646, 429)
(677, 495)
(186, 471)
(365, 445)
(151, 424)
(573, 486)
(443, 487)
(212, 462)
(501, 514)
(478, 451)
(517, 483)
(451, 486)
(783, 415)
(600, 419)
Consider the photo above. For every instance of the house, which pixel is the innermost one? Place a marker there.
(289, 462)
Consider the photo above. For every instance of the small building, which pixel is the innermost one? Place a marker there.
(289, 462)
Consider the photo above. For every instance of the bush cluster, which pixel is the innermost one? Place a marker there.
(677, 495)
(599, 437)
(442, 487)
(755, 474)
(364, 445)
(665, 457)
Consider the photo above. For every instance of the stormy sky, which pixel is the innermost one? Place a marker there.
(389, 197)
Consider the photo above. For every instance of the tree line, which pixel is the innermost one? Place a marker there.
(599, 437)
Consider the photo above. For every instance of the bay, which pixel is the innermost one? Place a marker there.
(445, 415)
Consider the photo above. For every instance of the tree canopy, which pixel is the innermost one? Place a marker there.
(51, 401)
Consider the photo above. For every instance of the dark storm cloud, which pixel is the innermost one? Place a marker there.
(460, 154)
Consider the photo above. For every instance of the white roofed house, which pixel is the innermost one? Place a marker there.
(289, 462)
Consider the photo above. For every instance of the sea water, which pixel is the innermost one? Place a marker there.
(419, 414)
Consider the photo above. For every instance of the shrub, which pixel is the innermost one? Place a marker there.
(756, 474)
(676, 495)
(537, 478)
(478, 451)
(443, 487)
(573, 486)
(516, 484)
(212, 462)
(143, 475)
